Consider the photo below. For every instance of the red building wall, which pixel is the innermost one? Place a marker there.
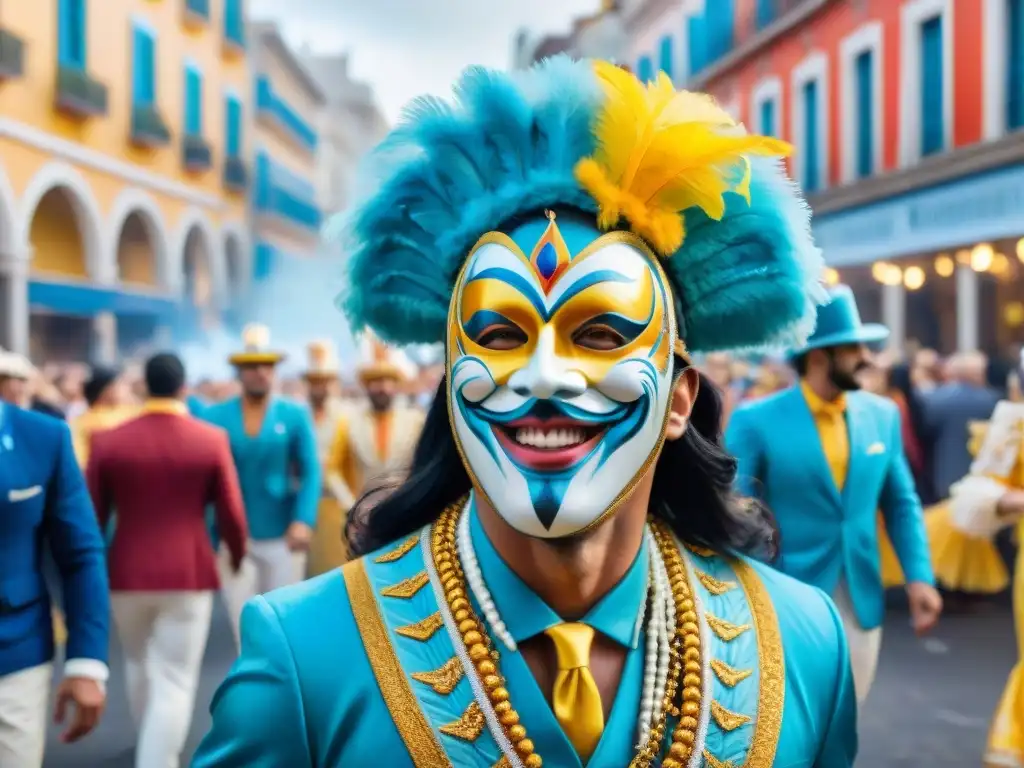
(825, 31)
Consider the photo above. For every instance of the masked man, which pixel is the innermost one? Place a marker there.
(321, 381)
(549, 584)
(825, 458)
(274, 448)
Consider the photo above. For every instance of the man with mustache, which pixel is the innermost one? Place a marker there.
(825, 457)
(562, 577)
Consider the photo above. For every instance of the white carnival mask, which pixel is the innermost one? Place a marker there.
(559, 371)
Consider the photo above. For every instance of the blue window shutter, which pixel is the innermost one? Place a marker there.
(71, 30)
(765, 13)
(719, 29)
(665, 55)
(695, 28)
(193, 102)
(234, 127)
(768, 118)
(1015, 64)
(138, 68)
(811, 137)
(865, 116)
(644, 69)
(932, 138)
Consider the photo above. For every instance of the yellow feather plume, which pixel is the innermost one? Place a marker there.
(661, 152)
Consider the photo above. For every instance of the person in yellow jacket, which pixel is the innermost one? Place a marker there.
(989, 499)
(372, 440)
(321, 378)
(109, 406)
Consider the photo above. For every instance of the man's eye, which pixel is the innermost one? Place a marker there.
(501, 337)
(598, 337)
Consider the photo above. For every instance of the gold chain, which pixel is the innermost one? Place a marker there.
(684, 651)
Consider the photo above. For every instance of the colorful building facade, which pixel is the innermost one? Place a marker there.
(123, 171)
(905, 116)
(286, 213)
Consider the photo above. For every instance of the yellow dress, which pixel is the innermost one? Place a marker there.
(972, 515)
(963, 562)
(328, 550)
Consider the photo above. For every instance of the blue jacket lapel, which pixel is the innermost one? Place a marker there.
(855, 430)
(805, 438)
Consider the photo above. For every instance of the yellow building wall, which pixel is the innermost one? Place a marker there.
(55, 238)
(30, 100)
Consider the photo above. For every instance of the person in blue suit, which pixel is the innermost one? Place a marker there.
(274, 447)
(564, 574)
(825, 458)
(44, 503)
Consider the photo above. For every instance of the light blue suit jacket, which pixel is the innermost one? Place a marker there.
(278, 469)
(304, 690)
(826, 534)
(44, 502)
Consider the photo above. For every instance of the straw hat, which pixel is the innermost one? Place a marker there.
(378, 360)
(256, 348)
(323, 360)
(15, 366)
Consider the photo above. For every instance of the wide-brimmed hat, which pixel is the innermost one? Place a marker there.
(323, 360)
(839, 323)
(256, 348)
(378, 360)
(15, 366)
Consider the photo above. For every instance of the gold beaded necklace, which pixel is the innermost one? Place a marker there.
(684, 650)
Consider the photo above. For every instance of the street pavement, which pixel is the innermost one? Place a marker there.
(929, 707)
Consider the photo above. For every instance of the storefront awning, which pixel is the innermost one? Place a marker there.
(88, 300)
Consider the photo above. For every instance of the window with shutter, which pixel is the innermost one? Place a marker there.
(71, 29)
(864, 72)
(233, 140)
(768, 118)
(932, 133)
(644, 69)
(193, 101)
(1015, 64)
(665, 55)
(811, 138)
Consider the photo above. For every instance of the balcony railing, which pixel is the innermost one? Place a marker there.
(196, 154)
(79, 94)
(236, 174)
(12, 55)
(197, 12)
(272, 107)
(149, 128)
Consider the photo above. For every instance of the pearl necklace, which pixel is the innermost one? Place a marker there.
(677, 653)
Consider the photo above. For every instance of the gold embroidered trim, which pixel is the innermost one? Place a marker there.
(714, 586)
(700, 551)
(444, 679)
(502, 763)
(422, 630)
(399, 552)
(772, 694)
(729, 676)
(469, 726)
(726, 630)
(423, 747)
(714, 762)
(727, 720)
(407, 588)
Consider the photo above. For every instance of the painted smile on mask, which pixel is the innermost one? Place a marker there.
(559, 372)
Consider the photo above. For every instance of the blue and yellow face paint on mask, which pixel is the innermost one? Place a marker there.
(559, 350)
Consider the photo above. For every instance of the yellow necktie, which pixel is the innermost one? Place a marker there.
(575, 699)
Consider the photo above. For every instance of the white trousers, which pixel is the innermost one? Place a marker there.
(268, 565)
(24, 699)
(864, 644)
(163, 635)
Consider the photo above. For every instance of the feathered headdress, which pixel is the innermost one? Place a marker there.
(711, 200)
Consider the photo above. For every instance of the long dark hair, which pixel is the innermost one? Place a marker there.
(692, 490)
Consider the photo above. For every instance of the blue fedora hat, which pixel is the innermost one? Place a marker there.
(839, 323)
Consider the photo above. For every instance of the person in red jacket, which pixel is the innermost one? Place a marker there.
(160, 471)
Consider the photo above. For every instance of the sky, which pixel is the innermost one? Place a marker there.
(404, 48)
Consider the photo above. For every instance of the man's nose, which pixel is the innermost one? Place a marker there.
(547, 376)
